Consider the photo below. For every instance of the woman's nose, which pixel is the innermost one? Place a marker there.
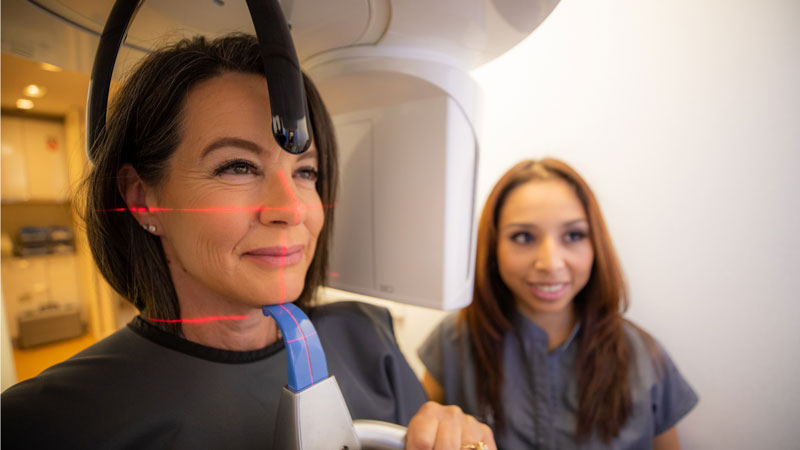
(548, 256)
(281, 203)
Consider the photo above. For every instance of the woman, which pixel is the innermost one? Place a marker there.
(196, 216)
(543, 353)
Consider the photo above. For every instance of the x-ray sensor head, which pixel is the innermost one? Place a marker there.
(290, 125)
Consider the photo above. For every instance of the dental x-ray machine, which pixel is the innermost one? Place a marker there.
(394, 75)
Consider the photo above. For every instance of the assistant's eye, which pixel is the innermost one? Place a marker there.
(308, 173)
(575, 236)
(522, 237)
(236, 167)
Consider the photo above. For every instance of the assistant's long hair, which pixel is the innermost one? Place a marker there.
(603, 354)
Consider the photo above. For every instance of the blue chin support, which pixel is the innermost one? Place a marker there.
(312, 413)
(307, 364)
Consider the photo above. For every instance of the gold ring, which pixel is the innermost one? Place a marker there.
(480, 445)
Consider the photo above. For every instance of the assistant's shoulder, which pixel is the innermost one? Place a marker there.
(450, 329)
(670, 395)
(646, 351)
(446, 340)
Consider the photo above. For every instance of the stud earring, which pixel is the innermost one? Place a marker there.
(151, 228)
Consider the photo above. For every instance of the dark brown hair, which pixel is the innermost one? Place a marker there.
(143, 129)
(603, 354)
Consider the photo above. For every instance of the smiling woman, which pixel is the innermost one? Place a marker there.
(543, 352)
(229, 261)
(197, 217)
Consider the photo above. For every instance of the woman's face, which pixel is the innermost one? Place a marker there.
(544, 252)
(238, 216)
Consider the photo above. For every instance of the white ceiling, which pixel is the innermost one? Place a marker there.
(65, 89)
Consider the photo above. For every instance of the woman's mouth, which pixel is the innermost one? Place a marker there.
(548, 291)
(280, 256)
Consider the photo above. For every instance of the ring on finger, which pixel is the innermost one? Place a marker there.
(480, 445)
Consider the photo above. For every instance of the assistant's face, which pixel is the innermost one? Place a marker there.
(240, 216)
(544, 252)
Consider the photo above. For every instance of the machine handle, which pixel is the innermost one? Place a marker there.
(376, 435)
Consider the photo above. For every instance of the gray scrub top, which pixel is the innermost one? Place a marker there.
(540, 395)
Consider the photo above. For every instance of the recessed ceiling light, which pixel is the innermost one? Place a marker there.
(35, 91)
(24, 103)
(50, 67)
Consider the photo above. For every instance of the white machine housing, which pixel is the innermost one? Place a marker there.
(395, 76)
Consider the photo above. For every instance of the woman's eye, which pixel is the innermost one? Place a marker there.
(308, 173)
(575, 236)
(237, 167)
(522, 237)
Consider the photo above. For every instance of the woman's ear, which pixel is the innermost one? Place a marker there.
(135, 192)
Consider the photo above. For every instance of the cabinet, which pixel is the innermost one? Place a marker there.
(33, 283)
(34, 161)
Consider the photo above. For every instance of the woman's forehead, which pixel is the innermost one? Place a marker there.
(551, 199)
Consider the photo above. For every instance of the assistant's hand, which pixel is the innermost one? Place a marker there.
(438, 427)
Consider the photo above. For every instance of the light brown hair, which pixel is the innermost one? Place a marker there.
(603, 354)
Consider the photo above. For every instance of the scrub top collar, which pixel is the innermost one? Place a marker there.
(530, 333)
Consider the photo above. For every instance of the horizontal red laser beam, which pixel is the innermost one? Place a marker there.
(302, 338)
(221, 209)
(199, 319)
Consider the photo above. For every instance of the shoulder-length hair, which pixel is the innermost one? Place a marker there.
(143, 129)
(603, 352)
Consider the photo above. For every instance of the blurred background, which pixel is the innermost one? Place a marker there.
(683, 116)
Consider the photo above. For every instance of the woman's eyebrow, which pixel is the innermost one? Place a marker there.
(524, 225)
(576, 222)
(529, 225)
(312, 153)
(232, 142)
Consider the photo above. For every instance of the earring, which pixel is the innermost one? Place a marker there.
(151, 228)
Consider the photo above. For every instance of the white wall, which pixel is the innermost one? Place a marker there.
(8, 372)
(684, 116)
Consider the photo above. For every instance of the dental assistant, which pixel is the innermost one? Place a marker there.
(543, 354)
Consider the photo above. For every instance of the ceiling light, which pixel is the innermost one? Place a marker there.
(24, 103)
(35, 91)
(50, 67)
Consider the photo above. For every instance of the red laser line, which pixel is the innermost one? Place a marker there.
(301, 338)
(305, 343)
(296, 209)
(199, 319)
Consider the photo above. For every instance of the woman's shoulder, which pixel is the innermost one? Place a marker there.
(451, 329)
(662, 385)
(447, 340)
(352, 314)
(641, 340)
(647, 353)
(354, 322)
(86, 382)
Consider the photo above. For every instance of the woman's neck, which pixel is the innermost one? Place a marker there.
(226, 325)
(557, 324)
(252, 333)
